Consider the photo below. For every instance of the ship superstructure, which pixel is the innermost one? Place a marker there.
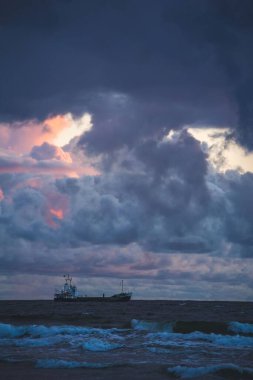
(68, 291)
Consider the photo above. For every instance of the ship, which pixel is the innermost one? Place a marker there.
(69, 293)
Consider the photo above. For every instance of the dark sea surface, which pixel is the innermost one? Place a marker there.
(132, 340)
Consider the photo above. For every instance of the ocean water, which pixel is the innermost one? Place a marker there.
(187, 349)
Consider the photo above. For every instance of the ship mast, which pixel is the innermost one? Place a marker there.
(67, 278)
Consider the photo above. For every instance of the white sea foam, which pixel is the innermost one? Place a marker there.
(241, 328)
(199, 338)
(37, 331)
(151, 326)
(191, 372)
(58, 363)
(97, 345)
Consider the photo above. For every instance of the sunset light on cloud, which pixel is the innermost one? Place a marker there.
(73, 128)
(224, 153)
(33, 146)
(58, 130)
(126, 146)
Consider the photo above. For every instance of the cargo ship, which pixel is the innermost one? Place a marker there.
(69, 294)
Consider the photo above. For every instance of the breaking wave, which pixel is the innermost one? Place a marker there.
(151, 326)
(186, 327)
(198, 338)
(225, 370)
(90, 339)
(36, 331)
(241, 328)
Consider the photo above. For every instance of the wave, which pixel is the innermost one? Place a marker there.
(168, 335)
(186, 327)
(99, 345)
(241, 328)
(10, 331)
(31, 342)
(151, 326)
(198, 338)
(59, 363)
(165, 335)
(90, 339)
(225, 370)
(36, 331)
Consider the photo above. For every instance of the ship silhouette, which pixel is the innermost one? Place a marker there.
(69, 294)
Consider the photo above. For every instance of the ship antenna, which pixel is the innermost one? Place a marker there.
(122, 286)
(67, 278)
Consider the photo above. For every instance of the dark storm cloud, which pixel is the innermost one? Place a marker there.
(178, 62)
(140, 200)
(239, 220)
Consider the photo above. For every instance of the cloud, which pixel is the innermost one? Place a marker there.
(20, 137)
(159, 195)
(57, 165)
(179, 64)
(75, 128)
(47, 152)
(156, 210)
(1, 195)
(30, 146)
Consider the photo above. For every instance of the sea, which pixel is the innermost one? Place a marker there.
(130, 340)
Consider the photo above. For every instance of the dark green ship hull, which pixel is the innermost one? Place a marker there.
(115, 298)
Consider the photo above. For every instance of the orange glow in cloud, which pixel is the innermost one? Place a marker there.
(57, 207)
(58, 213)
(1, 194)
(56, 123)
(53, 215)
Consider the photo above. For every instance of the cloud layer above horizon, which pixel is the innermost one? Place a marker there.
(102, 170)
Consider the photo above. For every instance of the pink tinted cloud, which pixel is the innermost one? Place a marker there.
(1, 194)
(21, 137)
(28, 147)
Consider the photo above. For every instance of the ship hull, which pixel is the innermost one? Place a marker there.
(93, 299)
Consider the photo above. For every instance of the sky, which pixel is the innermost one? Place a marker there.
(126, 148)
